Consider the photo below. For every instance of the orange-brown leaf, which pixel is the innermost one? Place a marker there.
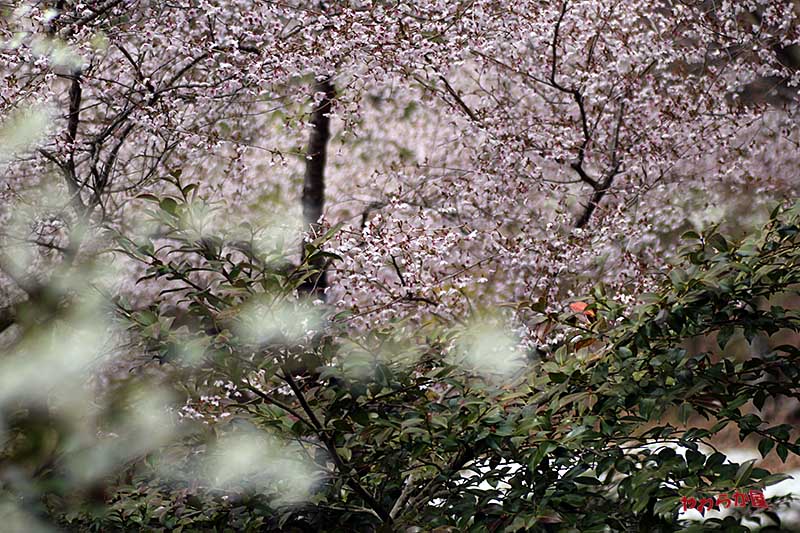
(580, 307)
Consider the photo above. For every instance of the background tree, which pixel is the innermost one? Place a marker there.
(478, 154)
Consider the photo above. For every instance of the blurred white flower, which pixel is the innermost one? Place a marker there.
(21, 129)
(262, 322)
(490, 351)
(261, 462)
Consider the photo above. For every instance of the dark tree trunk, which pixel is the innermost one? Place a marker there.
(314, 182)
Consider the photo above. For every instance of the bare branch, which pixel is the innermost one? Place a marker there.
(330, 444)
(602, 188)
(470, 113)
(554, 47)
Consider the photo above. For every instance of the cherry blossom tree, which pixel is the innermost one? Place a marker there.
(429, 164)
(541, 141)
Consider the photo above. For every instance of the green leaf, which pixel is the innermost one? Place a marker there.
(345, 453)
(774, 479)
(542, 451)
(169, 205)
(743, 473)
(782, 452)
(678, 277)
(718, 242)
(684, 412)
(724, 336)
(765, 446)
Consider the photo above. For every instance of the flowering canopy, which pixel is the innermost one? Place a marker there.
(484, 162)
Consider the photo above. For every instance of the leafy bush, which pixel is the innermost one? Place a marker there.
(296, 422)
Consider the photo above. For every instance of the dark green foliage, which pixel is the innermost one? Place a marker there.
(582, 440)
